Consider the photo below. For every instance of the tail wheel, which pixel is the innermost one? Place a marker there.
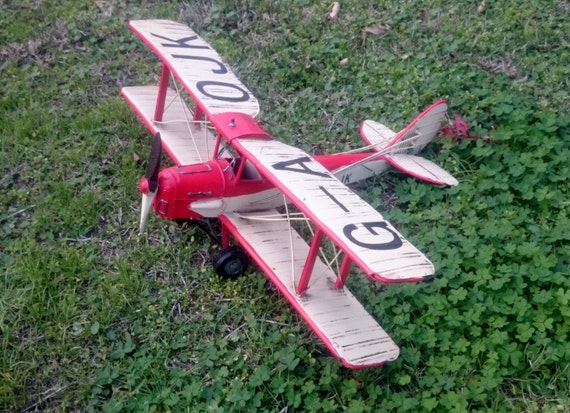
(231, 262)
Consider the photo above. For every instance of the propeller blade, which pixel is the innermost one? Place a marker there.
(146, 205)
(150, 187)
(154, 163)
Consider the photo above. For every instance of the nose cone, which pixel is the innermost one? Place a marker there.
(179, 188)
(144, 186)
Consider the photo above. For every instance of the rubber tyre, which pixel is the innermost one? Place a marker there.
(231, 262)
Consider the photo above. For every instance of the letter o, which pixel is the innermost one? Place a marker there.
(202, 85)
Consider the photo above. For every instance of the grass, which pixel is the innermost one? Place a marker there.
(94, 318)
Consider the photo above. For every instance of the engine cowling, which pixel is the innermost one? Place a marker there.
(179, 186)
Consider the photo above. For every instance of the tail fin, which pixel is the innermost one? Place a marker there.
(399, 149)
(412, 139)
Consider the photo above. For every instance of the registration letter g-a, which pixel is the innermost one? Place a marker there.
(372, 228)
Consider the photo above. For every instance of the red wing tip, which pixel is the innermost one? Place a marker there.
(411, 279)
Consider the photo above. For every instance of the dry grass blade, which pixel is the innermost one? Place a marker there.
(376, 30)
(333, 14)
(48, 394)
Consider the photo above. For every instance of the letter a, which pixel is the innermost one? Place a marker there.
(302, 168)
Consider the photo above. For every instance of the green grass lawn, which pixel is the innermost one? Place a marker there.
(95, 318)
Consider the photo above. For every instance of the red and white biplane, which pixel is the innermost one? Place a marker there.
(228, 167)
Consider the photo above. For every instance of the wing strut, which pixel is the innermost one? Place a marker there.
(343, 272)
(310, 263)
(316, 244)
(161, 97)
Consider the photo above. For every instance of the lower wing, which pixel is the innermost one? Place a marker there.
(335, 315)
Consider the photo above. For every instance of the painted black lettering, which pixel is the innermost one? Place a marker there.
(371, 227)
(220, 71)
(346, 178)
(204, 84)
(300, 167)
(335, 200)
(183, 42)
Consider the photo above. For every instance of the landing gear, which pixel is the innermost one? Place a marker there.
(231, 262)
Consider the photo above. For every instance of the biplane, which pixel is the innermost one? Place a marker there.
(227, 166)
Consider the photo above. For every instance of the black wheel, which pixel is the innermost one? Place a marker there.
(231, 262)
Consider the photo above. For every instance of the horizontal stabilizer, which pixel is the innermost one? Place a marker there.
(376, 134)
(421, 168)
(413, 138)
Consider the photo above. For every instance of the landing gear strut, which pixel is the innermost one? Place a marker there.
(231, 261)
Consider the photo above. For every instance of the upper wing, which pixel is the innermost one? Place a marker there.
(210, 82)
(352, 224)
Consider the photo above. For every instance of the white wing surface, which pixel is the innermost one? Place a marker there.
(205, 76)
(187, 142)
(353, 225)
(335, 315)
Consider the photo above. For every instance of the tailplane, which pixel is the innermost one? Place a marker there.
(400, 149)
(421, 168)
(412, 139)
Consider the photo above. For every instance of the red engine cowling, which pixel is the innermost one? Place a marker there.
(179, 186)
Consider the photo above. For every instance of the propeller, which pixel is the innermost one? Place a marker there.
(149, 183)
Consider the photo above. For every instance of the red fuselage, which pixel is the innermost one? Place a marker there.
(221, 185)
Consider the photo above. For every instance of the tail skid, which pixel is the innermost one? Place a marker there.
(399, 149)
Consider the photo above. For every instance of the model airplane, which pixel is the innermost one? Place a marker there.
(228, 167)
